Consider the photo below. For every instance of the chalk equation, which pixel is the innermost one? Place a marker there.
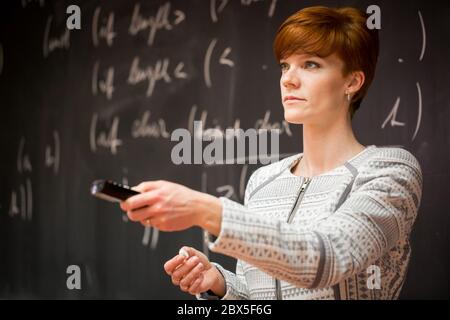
(392, 116)
(54, 42)
(103, 28)
(216, 7)
(223, 60)
(21, 200)
(53, 153)
(164, 19)
(106, 138)
(104, 82)
(161, 70)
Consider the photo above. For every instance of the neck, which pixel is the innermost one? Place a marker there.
(327, 147)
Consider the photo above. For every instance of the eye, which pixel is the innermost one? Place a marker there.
(311, 65)
(284, 66)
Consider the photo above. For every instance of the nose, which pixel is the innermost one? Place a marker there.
(289, 79)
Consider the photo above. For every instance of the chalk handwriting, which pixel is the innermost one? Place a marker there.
(51, 44)
(217, 6)
(105, 85)
(104, 139)
(52, 155)
(142, 128)
(24, 208)
(419, 113)
(125, 183)
(103, 29)
(207, 61)
(23, 159)
(216, 131)
(154, 233)
(153, 74)
(392, 116)
(162, 20)
(229, 191)
(424, 36)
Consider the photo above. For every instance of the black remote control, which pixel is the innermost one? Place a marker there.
(111, 191)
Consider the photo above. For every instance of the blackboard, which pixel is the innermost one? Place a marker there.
(102, 101)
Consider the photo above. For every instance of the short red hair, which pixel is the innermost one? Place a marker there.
(323, 31)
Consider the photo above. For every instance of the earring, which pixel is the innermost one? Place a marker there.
(349, 97)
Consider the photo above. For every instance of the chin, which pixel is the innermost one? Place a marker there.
(294, 116)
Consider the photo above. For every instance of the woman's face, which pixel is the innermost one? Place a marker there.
(313, 89)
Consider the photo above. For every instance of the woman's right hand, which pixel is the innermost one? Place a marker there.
(195, 274)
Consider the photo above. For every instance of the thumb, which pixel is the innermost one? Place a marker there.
(139, 188)
(194, 252)
(187, 251)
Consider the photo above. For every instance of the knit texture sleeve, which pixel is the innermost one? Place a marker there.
(236, 286)
(377, 214)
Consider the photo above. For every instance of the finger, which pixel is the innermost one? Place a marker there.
(190, 251)
(183, 270)
(184, 252)
(140, 214)
(194, 252)
(153, 212)
(140, 200)
(193, 289)
(191, 276)
(139, 187)
(147, 186)
(162, 221)
(195, 285)
(173, 263)
(184, 289)
(147, 222)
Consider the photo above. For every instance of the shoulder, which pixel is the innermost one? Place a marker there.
(390, 181)
(392, 159)
(392, 171)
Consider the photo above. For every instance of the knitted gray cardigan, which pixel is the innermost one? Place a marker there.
(343, 234)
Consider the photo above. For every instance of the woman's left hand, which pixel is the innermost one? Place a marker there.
(165, 205)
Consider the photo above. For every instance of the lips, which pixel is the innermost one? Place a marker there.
(293, 98)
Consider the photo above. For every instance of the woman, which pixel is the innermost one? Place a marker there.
(330, 223)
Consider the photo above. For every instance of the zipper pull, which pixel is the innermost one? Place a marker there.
(305, 184)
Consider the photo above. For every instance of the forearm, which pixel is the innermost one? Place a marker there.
(208, 213)
(208, 216)
(234, 286)
(219, 287)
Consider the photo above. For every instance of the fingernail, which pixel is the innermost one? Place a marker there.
(183, 253)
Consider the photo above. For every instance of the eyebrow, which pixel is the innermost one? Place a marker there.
(304, 56)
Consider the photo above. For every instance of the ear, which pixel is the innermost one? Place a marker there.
(356, 81)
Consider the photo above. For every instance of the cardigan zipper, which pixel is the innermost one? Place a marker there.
(300, 196)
